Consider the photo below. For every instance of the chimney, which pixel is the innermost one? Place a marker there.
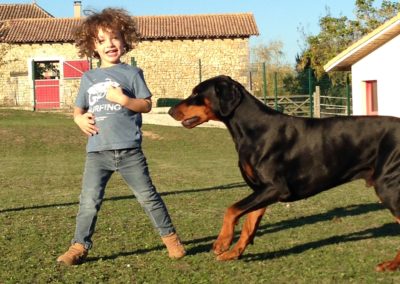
(77, 9)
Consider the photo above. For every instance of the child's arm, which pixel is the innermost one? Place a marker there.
(85, 121)
(116, 95)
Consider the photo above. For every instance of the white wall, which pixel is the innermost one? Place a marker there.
(382, 65)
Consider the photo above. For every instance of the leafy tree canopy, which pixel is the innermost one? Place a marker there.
(336, 34)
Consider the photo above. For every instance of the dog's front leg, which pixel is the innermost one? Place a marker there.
(226, 234)
(258, 199)
(390, 265)
(249, 230)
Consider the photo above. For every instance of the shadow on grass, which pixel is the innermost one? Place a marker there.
(123, 254)
(351, 210)
(386, 230)
(203, 245)
(117, 198)
(336, 213)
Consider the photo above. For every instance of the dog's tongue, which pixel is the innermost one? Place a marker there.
(189, 122)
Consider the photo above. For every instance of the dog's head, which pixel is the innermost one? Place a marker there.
(213, 99)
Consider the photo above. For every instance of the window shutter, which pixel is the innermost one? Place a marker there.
(75, 68)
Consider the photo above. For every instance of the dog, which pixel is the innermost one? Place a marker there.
(284, 158)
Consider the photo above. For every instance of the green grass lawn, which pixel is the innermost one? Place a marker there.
(335, 237)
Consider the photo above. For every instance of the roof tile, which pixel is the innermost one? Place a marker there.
(197, 26)
(22, 11)
(149, 27)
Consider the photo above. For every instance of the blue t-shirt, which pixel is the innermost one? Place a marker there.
(119, 127)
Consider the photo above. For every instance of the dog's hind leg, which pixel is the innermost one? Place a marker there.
(249, 229)
(388, 191)
(390, 265)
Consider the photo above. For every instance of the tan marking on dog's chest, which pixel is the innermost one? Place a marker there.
(248, 170)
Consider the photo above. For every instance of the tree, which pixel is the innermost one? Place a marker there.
(336, 34)
(298, 82)
(273, 57)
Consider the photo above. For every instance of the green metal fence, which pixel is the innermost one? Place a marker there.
(296, 94)
(299, 94)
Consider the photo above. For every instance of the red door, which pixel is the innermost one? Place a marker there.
(371, 97)
(47, 93)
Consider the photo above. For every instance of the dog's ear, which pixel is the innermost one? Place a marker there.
(229, 96)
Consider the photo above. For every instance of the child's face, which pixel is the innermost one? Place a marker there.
(110, 47)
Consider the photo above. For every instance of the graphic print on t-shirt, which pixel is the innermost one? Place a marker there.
(98, 104)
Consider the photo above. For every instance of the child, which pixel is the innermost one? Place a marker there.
(108, 109)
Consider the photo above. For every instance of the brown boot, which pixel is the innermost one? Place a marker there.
(174, 246)
(76, 254)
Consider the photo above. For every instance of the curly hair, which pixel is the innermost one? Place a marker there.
(110, 19)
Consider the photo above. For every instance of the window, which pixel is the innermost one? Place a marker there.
(46, 70)
(371, 97)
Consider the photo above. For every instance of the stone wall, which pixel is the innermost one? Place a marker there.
(171, 67)
(16, 80)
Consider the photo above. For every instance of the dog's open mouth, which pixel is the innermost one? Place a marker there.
(191, 122)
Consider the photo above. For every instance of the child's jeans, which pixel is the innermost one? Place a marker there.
(132, 165)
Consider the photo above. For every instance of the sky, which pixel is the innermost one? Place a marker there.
(276, 19)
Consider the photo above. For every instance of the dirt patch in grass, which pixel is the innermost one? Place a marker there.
(151, 135)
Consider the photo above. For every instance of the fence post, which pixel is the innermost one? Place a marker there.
(310, 92)
(348, 95)
(317, 102)
(200, 79)
(250, 81)
(276, 89)
(33, 84)
(265, 82)
(133, 62)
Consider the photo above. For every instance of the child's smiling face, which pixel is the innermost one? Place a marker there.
(110, 47)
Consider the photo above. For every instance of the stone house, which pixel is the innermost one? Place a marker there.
(40, 68)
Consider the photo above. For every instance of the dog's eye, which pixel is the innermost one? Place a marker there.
(194, 95)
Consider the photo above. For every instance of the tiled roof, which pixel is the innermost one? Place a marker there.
(197, 26)
(149, 27)
(22, 11)
(37, 30)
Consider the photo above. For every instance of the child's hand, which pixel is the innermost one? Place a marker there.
(116, 95)
(87, 123)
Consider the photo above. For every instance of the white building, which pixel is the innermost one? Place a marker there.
(374, 62)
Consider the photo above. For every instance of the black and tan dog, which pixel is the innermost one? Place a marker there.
(286, 158)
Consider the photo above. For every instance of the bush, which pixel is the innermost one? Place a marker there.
(167, 102)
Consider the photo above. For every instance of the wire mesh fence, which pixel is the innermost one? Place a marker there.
(292, 93)
(300, 93)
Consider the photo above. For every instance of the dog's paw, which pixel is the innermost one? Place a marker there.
(220, 247)
(229, 255)
(391, 265)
